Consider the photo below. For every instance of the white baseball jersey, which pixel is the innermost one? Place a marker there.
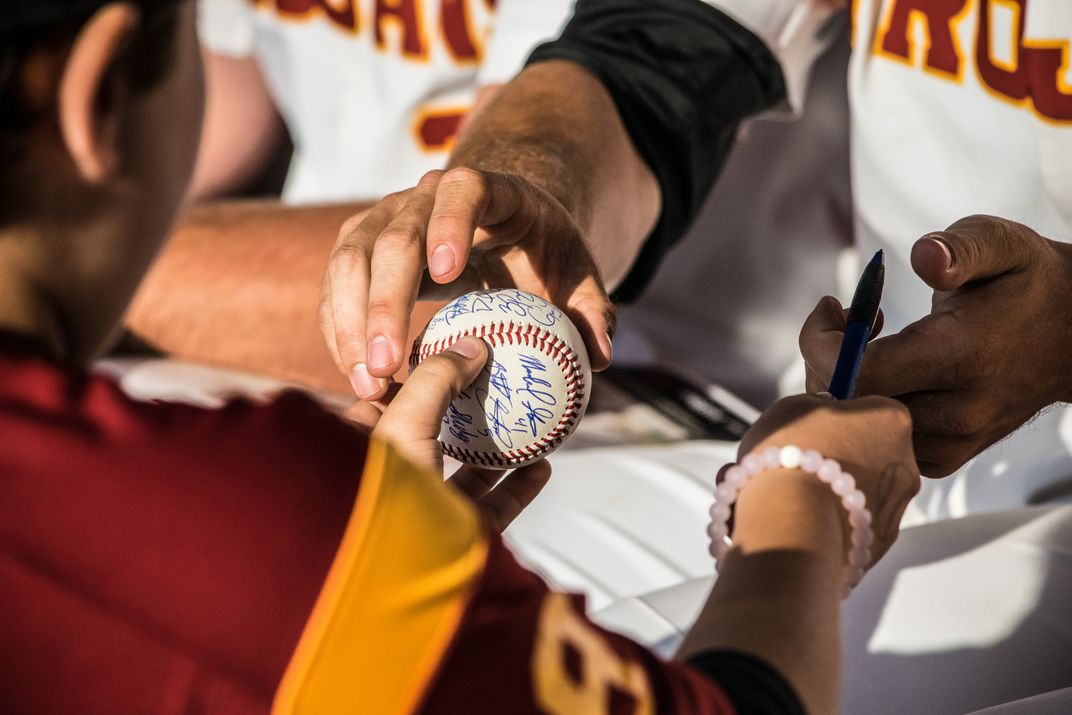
(372, 91)
(962, 107)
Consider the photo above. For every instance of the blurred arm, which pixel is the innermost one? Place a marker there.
(243, 134)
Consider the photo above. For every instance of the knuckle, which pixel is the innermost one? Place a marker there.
(350, 225)
(395, 200)
(380, 309)
(442, 366)
(900, 417)
(347, 256)
(431, 178)
(401, 235)
(465, 174)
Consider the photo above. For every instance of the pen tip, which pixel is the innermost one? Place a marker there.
(878, 258)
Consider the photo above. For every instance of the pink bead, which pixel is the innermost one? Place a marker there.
(736, 477)
(725, 494)
(854, 500)
(843, 484)
(828, 470)
(772, 457)
(716, 530)
(860, 556)
(853, 575)
(860, 518)
(752, 464)
(719, 512)
(716, 550)
(810, 461)
(863, 537)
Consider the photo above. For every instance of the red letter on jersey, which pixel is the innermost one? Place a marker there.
(341, 12)
(403, 12)
(455, 19)
(1011, 78)
(938, 15)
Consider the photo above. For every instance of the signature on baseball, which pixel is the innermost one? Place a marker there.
(534, 388)
(507, 410)
(504, 303)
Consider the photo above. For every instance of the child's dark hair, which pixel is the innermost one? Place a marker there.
(27, 26)
(40, 31)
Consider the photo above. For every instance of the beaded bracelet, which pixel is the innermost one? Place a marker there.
(827, 470)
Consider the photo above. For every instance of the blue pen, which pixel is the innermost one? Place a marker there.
(861, 319)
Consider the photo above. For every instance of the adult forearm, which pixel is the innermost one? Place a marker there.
(777, 595)
(556, 125)
(238, 285)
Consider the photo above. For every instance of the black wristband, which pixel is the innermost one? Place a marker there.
(683, 75)
(753, 687)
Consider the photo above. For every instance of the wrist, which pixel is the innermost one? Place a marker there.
(789, 510)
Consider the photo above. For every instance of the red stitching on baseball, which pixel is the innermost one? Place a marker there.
(549, 344)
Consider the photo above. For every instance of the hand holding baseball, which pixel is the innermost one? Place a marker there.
(411, 421)
(992, 352)
(469, 228)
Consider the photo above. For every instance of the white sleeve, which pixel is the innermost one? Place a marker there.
(226, 27)
(793, 31)
(520, 25)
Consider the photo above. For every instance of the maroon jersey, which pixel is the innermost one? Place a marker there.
(164, 558)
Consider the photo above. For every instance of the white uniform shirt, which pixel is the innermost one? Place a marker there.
(962, 107)
(372, 91)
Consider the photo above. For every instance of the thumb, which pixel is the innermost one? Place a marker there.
(416, 412)
(974, 248)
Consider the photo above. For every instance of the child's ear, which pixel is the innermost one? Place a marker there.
(89, 95)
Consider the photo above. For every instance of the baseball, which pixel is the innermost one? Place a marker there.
(532, 391)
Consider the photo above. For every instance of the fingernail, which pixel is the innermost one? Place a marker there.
(365, 385)
(943, 247)
(824, 394)
(380, 354)
(468, 347)
(442, 260)
(608, 345)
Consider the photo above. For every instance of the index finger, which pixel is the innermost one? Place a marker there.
(347, 280)
(924, 356)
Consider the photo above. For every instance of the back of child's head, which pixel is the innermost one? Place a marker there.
(35, 38)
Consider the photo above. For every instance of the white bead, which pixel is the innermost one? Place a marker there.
(863, 537)
(843, 484)
(810, 461)
(725, 494)
(719, 512)
(752, 464)
(860, 556)
(828, 470)
(790, 456)
(854, 500)
(736, 477)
